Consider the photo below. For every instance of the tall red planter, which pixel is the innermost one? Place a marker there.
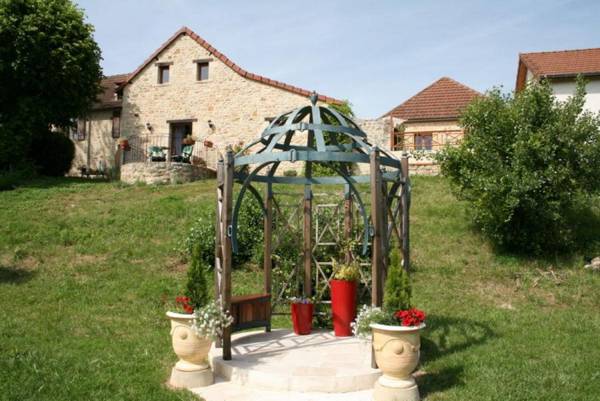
(302, 318)
(343, 306)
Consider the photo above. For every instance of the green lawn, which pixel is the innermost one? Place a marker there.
(87, 270)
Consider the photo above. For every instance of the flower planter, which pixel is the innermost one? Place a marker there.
(302, 317)
(343, 306)
(192, 369)
(397, 350)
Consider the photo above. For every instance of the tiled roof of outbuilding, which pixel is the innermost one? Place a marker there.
(444, 99)
(107, 98)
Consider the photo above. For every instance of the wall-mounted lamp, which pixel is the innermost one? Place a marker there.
(211, 125)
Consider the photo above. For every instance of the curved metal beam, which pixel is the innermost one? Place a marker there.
(238, 203)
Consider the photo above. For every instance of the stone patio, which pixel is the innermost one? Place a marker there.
(283, 366)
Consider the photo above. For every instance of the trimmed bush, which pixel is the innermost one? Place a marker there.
(197, 284)
(52, 153)
(397, 291)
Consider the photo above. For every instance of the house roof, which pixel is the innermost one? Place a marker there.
(443, 100)
(557, 64)
(106, 99)
(214, 52)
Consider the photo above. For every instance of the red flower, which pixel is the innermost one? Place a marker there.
(184, 302)
(410, 317)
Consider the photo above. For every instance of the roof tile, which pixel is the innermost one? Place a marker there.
(563, 62)
(186, 31)
(445, 98)
(107, 98)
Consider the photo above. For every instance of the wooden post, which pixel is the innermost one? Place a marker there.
(226, 241)
(348, 219)
(405, 211)
(376, 221)
(218, 241)
(385, 244)
(268, 237)
(307, 244)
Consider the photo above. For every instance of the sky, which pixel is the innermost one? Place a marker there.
(376, 54)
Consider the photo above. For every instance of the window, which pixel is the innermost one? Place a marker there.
(163, 74)
(202, 71)
(116, 124)
(423, 141)
(81, 124)
(398, 139)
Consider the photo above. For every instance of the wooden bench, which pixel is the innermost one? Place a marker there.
(251, 311)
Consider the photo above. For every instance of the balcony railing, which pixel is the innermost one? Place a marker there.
(140, 146)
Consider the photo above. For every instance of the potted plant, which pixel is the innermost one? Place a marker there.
(395, 331)
(302, 314)
(193, 331)
(124, 143)
(189, 140)
(343, 296)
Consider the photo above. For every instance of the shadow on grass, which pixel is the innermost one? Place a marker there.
(442, 380)
(445, 336)
(14, 275)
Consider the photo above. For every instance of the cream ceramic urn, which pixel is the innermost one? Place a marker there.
(397, 351)
(192, 369)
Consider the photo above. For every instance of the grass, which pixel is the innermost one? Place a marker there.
(87, 270)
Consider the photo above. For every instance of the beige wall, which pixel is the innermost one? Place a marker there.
(444, 133)
(102, 146)
(565, 88)
(237, 106)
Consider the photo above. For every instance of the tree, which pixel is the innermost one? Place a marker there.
(525, 161)
(49, 71)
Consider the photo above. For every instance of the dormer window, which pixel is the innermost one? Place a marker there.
(163, 73)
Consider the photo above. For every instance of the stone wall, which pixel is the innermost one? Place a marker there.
(98, 142)
(162, 173)
(235, 105)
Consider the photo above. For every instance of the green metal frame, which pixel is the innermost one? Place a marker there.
(277, 147)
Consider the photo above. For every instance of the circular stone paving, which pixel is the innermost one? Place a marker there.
(281, 360)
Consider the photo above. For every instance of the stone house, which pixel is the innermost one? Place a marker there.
(426, 122)
(185, 88)
(561, 69)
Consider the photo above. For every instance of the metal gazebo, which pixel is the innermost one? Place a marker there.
(309, 134)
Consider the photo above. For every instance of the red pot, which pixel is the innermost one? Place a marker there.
(343, 306)
(302, 318)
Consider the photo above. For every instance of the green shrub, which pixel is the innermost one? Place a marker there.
(290, 173)
(200, 241)
(11, 179)
(197, 285)
(52, 153)
(397, 291)
(523, 165)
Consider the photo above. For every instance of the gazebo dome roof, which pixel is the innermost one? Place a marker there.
(311, 133)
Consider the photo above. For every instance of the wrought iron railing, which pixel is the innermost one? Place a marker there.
(139, 150)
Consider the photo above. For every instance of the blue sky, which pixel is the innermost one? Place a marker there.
(374, 53)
